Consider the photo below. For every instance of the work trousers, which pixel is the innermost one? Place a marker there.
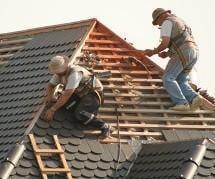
(87, 104)
(175, 78)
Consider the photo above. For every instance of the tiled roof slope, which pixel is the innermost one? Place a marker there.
(86, 157)
(207, 166)
(23, 80)
(167, 160)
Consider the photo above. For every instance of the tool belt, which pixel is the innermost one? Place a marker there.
(178, 41)
(88, 88)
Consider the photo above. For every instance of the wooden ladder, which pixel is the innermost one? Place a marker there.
(47, 152)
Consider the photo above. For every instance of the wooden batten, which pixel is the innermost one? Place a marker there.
(137, 92)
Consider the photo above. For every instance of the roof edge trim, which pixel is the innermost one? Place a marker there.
(46, 28)
(81, 43)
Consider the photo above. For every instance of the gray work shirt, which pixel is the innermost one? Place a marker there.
(72, 81)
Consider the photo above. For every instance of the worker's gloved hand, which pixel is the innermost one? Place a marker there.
(163, 54)
(148, 52)
(48, 100)
(49, 115)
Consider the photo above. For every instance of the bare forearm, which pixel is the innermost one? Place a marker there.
(62, 100)
(49, 91)
(162, 46)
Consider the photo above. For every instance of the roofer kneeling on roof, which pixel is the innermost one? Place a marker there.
(79, 97)
(183, 53)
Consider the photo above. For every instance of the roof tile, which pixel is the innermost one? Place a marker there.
(90, 165)
(100, 173)
(84, 147)
(95, 147)
(87, 173)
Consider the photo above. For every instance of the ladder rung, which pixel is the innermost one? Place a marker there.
(56, 170)
(49, 151)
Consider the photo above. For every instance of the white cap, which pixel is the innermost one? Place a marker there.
(57, 65)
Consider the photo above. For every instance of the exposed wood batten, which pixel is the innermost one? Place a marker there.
(16, 41)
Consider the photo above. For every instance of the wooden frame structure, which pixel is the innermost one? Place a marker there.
(137, 92)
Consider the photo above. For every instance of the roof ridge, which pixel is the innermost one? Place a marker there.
(45, 28)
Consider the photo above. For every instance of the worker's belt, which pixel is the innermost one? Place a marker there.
(182, 58)
(180, 39)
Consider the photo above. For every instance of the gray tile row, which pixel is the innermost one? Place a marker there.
(23, 81)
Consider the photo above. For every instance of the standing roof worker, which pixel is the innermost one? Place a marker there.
(183, 53)
(79, 98)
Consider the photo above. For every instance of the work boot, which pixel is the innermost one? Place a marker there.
(181, 107)
(196, 103)
(106, 130)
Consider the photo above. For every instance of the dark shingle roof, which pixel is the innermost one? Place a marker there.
(180, 135)
(86, 156)
(22, 85)
(24, 78)
(167, 160)
(207, 166)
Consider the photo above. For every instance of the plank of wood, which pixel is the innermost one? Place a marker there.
(106, 49)
(39, 161)
(135, 95)
(99, 34)
(49, 151)
(116, 57)
(44, 176)
(3, 62)
(113, 140)
(57, 143)
(130, 72)
(6, 56)
(95, 41)
(16, 41)
(129, 110)
(55, 170)
(144, 103)
(132, 80)
(133, 87)
(164, 126)
(207, 105)
(103, 64)
(156, 119)
(125, 133)
(33, 142)
(10, 49)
